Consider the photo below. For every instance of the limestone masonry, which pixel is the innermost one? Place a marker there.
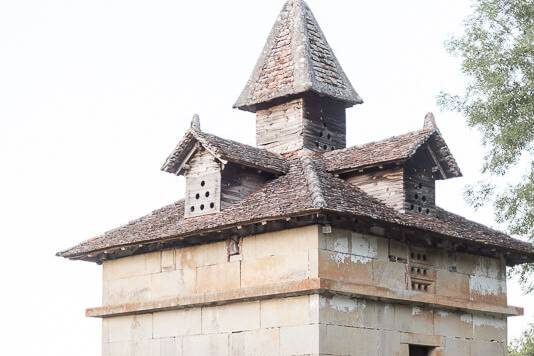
(300, 245)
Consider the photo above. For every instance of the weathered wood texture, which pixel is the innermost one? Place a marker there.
(324, 125)
(203, 185)
(311, 122)
(238, 182)
(420, 184)
(385, 185)
(409, 188)
(279, 128)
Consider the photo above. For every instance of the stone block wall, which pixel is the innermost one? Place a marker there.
(288, 326)
(264, 259)
(378, 261)
(354, 327)
(315, 323)
(303, 325)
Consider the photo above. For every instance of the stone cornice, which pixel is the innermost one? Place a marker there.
(303, 287)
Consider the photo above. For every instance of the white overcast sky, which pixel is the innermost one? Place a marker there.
(95, 94)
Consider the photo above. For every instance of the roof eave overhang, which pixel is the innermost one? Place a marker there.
(363, 168)
(190, 147)
(260, 104)
(512, 257)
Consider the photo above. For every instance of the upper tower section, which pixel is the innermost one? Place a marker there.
(298, 89)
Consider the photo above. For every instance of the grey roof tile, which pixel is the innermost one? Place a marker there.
(225, 150)
(393, 149)
(306, 188)
(296, 59)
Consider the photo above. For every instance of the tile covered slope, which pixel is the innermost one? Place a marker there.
(296, 59)
(224, 150)
(395, 149)
(306, 188)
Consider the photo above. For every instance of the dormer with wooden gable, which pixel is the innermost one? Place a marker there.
(298, 89)
(400, 171)
(219, 172)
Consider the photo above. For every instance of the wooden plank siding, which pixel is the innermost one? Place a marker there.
(310, 122)
(420, 183)
(238, 182)
(279, 128)
(203, 185)
(324, 125)
(385, 185)
(410, 188)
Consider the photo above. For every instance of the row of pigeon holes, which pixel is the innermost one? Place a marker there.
(207, 194)
(423, 199)
(324, 134)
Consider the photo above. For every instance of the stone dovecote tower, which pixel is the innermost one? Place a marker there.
(300, 245)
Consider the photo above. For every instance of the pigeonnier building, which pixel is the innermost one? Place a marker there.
(302, 245)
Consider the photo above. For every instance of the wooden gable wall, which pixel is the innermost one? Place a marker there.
(211, 187)
(407, 187)
(310, 122)
(238, 182)
(386, 185)
(203, 184)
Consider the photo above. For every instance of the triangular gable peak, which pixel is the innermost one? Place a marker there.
(397, 151)
(296, 59)
(224, 151)
(202, 168)
(431, 155)
(440, 154)
(400, 171)
(178, 162)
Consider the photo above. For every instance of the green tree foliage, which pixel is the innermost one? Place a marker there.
(523, 346)
(497, 53)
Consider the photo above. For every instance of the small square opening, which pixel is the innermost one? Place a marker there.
(417, 350)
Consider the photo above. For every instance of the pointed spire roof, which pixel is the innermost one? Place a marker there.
(296, 59)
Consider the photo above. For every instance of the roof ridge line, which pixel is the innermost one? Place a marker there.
(313, 182)
(423, 141)
(362, 145)
(204, 141)
(207, 136)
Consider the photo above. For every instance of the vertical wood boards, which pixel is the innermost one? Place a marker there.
(310, 122)
(420, 184)
(209, 188)
(411, 187)
(279, 128)
(203, 185)
(324, 125)
(238, 182)
(386, 185)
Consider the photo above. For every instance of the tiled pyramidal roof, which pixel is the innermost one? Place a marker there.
(296, 59)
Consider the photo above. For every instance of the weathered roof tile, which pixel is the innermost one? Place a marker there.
(306, 188)
(296, 59)
(226, 150)
(391, 150)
